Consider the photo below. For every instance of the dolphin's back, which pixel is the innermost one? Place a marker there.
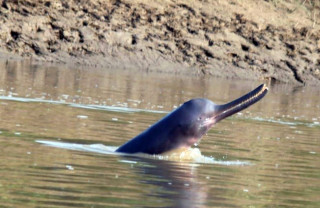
(158, 138)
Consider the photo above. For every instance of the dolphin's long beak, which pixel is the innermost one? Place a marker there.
(223, 111)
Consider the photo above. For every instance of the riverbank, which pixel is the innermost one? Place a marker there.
(247, 39)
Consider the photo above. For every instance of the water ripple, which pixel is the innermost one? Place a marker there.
(188, 155)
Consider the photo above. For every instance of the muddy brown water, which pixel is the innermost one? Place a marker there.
(59, 126)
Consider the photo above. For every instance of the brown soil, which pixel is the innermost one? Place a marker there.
(248, 39)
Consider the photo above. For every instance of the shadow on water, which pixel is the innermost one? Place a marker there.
(174, 183)
(174, 178)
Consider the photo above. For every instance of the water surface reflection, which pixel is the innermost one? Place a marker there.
(279, 136)
(176, 184)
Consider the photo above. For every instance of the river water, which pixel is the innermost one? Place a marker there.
(59, 127)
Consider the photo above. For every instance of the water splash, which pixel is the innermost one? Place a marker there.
(183, 155)
(96, 148)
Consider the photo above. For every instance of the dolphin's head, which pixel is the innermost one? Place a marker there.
(199, 115)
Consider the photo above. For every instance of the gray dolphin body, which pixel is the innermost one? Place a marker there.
(187, 124)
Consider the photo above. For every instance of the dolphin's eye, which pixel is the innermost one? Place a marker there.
(200, 118)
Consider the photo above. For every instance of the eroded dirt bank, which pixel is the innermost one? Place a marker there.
(247, 39)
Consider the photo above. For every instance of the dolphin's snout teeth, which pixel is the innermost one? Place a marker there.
(241, 103)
